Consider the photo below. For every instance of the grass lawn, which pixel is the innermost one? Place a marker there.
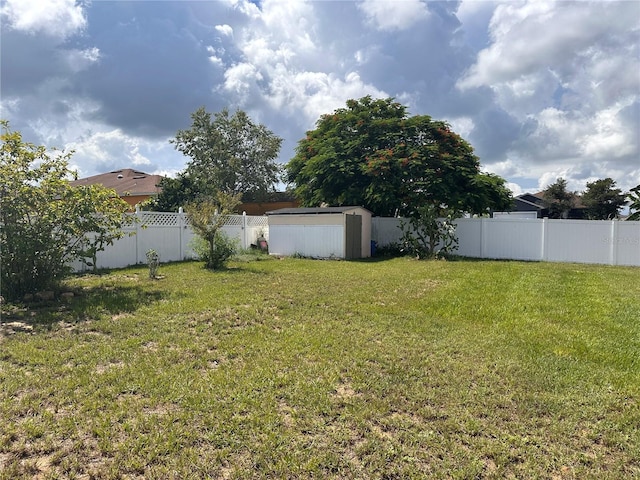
(298, 368)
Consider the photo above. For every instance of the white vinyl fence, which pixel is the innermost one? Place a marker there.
(170, 235)
(581, 241)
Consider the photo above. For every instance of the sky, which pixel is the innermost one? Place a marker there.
(540, 89)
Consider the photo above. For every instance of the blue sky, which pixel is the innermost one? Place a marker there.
(540, 89)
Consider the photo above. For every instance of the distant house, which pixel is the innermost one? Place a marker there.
(131, 185)
(534, 202)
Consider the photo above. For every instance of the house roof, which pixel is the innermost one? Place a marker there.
(125, 182)
(535, 199)
(524, 200)
(313, 210)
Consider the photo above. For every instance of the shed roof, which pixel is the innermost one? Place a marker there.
(313, 210)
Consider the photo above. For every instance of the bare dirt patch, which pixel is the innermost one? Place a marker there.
(105, 367)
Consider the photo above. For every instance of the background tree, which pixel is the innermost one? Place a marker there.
(634, 207)
(557, 199)
(45, 223)
(374, 155)
(602, 199)
(230, 154)
(175, 193)
(207, 216)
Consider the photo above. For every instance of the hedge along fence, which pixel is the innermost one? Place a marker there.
(170, 235)
(609, 242)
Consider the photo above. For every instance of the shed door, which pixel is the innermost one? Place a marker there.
(353, 236)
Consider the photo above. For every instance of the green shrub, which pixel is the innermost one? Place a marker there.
(224, 249)
(46, 223)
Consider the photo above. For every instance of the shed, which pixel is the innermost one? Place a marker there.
(325, 232)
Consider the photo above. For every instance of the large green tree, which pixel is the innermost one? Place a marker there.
(373, 154)
(230, 153)
(45, 223)
(602, 199)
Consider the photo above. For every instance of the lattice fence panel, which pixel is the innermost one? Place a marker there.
(257, 221)
(233, 221)
(159, 219)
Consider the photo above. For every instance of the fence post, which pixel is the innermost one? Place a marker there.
(613, 251)
(544, 247)
(244, 230)
(483, 237)
(138, 215)
(180, 237)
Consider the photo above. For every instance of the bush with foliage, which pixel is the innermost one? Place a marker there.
(45, 223)
(224, 249)
(429, 233)
(206, 218)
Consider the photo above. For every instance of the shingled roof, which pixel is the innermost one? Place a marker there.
(125, 182)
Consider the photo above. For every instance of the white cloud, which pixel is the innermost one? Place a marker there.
(248, 8)
(284, 68)
(567, 71)
(531, 36)
(463, 126)
(108, 150)
(241, 80)
(225, 30)
(507, 168)
(55, 18)
(470, 9)
(396, 15)
(213, 56)
(515, 189)
(316, 93)
(609, 137)
(81, 59)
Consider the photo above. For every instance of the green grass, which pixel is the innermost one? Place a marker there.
(298, 368)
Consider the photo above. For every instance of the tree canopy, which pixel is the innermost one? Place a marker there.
(175, 193)
(602, 199)
(230, 153)
(373, 154)
(558, 200)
